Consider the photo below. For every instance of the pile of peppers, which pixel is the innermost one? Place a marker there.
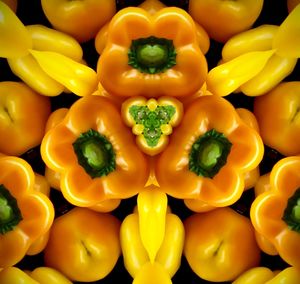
(149, 142)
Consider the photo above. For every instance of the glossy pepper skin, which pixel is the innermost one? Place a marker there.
(100, 160)
(277, 113)
(152, 240)
(25, 215)
(220, 244)
(263, 275)
(275, 213)
(40, 275)
(153, 6)
(259, 39)
(28, 69)
(21, 131)
(198, 164)
(145, 55)
(84, 245)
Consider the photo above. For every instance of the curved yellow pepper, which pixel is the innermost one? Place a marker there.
(263, 275)
(25, 214)
(15, 40)
(152, 121)
(40, 275)
(152, 240)
(152, 55)
(275, 213)
(200, 163)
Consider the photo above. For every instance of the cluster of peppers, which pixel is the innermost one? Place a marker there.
(151, 122)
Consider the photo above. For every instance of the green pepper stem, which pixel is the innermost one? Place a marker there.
(152, 55)
(10, 214)
(95, 153)
(209, 153)
(291, 215)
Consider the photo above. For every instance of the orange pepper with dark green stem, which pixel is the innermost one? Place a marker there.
(95, 154)
(152, 55)
(275, 213)
(25, 214)
(209, 153)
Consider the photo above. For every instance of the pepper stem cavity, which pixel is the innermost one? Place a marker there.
(10, 215)
(291, 215)
(152, 55)
(95, 153)
(209, 153)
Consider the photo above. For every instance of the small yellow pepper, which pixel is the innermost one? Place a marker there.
(25, 214)
(152, 240)
(15, 40)
(152, 55)
(275, 213)
(40, 275)
(263, 275)
(152, 121)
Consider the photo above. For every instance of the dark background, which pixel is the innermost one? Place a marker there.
(30, 12)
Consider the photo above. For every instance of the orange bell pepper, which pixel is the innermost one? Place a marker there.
(152, 121)
(84, 245)
(81, 19)
(23, 116)
(12, 4)
(209, 153)
(277, 113)
(275, 213)
(220, 244)
(153, 6)
(95, 154)
(25, 214)
(145, 55)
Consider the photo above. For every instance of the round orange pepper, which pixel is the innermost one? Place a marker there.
(275, 213)
(152, 58)
(23, 116)
(81, 19)
(277, 113)
(220, 244)
(25, 214)
(95, 154)
(84, 245)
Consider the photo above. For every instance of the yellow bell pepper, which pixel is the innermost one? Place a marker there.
(209, 153)
(100, 160)
(277, 113)
(263, 275)
(15, 40)
(83, 245)
(275, 213)
(220, 244)
(25, 214)
(23, 116)
(152, 55)
(152, 240)
(152, 121)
